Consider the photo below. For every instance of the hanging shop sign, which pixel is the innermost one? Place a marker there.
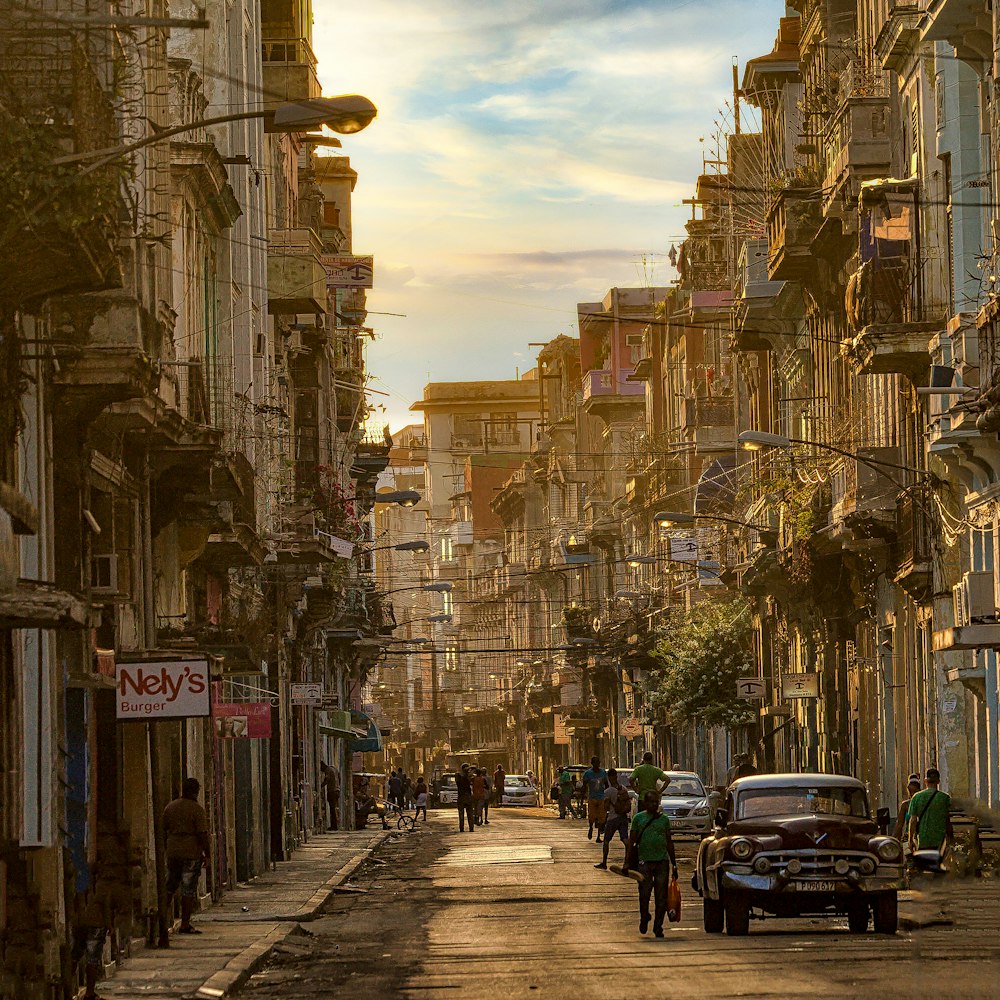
(162, 690)
(307, 694)
(348, 270)
(750, 688)
(632, 727)
(242, 720)
(800, 685)
(683, 550)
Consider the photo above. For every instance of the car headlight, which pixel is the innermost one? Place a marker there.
(762, 866)
(889, 850)
(866, 866)
(741, 848)
(701, 810)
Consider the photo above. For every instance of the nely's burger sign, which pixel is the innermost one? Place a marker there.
(162, 690)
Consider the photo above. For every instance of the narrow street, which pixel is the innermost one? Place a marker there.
(518, 908)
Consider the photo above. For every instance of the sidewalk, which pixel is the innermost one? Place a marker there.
(239, 933)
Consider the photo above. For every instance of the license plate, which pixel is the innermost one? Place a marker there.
(817, 886)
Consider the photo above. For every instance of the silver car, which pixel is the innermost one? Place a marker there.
(686, 804)
(518, 791)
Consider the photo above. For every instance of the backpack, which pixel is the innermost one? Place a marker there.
(623, 803)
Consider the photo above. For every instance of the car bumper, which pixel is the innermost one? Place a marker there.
(690, 824)
(518, 800)
(778, 883)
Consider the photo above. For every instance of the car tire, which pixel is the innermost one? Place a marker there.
(857, 916)
(713, 915)
(737, 909)
(886, 913)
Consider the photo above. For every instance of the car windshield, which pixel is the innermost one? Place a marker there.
(516, 781)
(448, 781)
(683, 787)
(804, 801)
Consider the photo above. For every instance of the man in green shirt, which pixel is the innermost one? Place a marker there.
(647, 777)
(927, 817)
(650, 842)
(565, 781)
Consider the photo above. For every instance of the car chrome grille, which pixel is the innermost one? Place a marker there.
(816, 862)
(677, 811)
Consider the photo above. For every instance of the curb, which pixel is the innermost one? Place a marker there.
(240, 968)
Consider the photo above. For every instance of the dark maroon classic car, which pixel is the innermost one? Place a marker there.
(792, 845)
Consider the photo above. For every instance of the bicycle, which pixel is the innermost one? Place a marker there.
(403, 820)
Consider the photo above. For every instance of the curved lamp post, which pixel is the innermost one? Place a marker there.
(414, 546)
(679, 519)
(346, 114)
(759, 440)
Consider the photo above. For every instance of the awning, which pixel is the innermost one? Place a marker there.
(340, 725)
(716, 489)
(371, 742)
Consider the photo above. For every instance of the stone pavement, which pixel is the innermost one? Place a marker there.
(241, 930)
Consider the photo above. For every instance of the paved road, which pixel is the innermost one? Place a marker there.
(517, 910)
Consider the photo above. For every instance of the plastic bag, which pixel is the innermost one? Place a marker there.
(674, 901)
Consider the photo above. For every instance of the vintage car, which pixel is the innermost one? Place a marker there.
(793, 845)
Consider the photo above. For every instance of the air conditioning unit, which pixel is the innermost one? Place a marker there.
(104, 574)
(975, 600)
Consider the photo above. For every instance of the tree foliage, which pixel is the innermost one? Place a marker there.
(699, 657)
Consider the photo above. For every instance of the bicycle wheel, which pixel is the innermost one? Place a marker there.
(405, 823)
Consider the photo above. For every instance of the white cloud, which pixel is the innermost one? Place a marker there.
(509, 130)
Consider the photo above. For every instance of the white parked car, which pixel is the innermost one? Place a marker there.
(518, 791)
(686, 804)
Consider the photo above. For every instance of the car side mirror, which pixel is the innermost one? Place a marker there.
(721, 818)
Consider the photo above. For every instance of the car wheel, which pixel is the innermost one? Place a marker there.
(737, 910)
(713, 915)
(886, 913)
(857, 916)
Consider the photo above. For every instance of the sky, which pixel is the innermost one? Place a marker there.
(527, 155)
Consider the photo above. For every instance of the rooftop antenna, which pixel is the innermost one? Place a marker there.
(736, 94)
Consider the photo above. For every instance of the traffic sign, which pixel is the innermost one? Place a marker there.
(751, 688)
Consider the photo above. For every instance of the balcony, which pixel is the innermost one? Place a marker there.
(58, 100)
(857, 143)
(964, 24)
(754, 300)
(863, 498)
(296, 278)
(900, 32)
(289, 70)
(604, 398)
(792, 222)
(709, 422)
(892, 332)
(914, 543)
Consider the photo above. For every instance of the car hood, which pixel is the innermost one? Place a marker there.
(809, 832)
(672, 801)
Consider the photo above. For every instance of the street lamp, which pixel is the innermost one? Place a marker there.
(346, 114)
(404, 498)
(635, 560)
(678, 519)
(432, 588)
(758, 440)
(414, 546)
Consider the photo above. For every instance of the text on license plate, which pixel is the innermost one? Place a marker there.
(817, 886)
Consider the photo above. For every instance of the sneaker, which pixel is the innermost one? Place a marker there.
(603, 865)
(598, 841)
(590, 833)
(658, 931)
(643, 924)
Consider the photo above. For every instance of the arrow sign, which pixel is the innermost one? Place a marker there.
(750, 688)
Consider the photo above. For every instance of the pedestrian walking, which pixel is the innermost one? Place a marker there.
(185, 826)
(499, 777)
(647, 777)
(912, 787)
(396, 789)
(742, 768)
(421, 798)
(650, 847)
(595, 780)
(565, 782)
(479, 793)
(927, 816)
(619, 806)
(488, 796)
(331, 785)
(463, 786)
